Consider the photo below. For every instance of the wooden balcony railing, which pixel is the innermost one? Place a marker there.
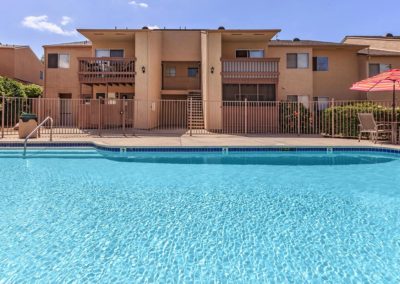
(250, 70)
(100, 70)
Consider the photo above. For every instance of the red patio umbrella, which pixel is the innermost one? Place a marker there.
(386, 81)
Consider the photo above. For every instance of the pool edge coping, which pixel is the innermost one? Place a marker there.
(207, 148)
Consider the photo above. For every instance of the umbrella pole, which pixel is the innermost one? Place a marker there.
(394, 116)
(394, 102)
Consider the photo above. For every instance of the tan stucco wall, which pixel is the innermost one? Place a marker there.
(180, 45)
(181, 81)
(28, 66)
(214, 81)
(22, 64)
(342, 73)
(376, 43)
(229, 47)
(148, 85)
(7, 66)
(59, 80)
(293, 81)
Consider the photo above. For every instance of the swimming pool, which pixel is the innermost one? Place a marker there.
(236, 215)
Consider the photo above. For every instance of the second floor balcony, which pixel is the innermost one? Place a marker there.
(106, 70)
(250, 70)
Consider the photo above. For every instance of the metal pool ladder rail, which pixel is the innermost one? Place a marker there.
(36, 129)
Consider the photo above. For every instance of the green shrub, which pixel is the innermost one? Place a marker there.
(32, 91)
(346, 119)
(11, 88)
(289, 114)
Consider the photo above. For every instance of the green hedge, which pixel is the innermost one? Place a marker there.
(346, 119)
(12, 88)
(289, 114)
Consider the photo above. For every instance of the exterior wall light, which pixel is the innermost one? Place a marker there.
(143, 69)
(212, 69)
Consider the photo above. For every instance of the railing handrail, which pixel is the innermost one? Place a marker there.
(107, 58)
(259, 59)
(36, 129)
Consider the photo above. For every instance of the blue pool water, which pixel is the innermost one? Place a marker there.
(199, 217)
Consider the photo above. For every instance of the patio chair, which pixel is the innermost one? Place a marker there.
(368, 125)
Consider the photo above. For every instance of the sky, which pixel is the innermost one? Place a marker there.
(40, 22)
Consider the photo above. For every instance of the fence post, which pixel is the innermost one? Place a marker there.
(123, 116)
(245, 115)
(333, 117)
(3, 109)
(39, 116)
(298, 119)
(99, 118)
(190, 116)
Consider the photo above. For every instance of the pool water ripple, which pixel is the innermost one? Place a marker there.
(100, 220)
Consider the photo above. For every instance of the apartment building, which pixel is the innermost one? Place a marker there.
(382, 54)
(20, 63)
(208, 66)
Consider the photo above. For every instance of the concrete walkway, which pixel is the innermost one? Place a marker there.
(214, 140)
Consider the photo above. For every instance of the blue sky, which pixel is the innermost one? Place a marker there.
(39, 22)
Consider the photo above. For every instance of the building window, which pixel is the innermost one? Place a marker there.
(55, 60)
(321, 103)
(245, 53)
(193, 71)
(299, 99)
(41, 75)
(109, 53)
(52, 60)
(320, 64)
(376, 68)
(170, 71)
(297, 60)
(251, 92)
(63, 61)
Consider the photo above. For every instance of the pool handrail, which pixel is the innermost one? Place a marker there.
(36, 129)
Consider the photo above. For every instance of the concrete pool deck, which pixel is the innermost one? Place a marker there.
(212, 140)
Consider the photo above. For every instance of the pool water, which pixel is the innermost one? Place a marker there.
(199, 217)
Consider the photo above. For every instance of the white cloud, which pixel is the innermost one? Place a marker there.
(41, 23)
(139, 4)
(153, 27)
(66, 20)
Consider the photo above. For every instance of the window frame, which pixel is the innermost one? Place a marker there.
(52, 60)
(297, 65)
(236, 93)
(168, 73)
(316, 64)
(193, 68)
(109, 50)
(380, 69)
(248, 53)
(59, 60)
